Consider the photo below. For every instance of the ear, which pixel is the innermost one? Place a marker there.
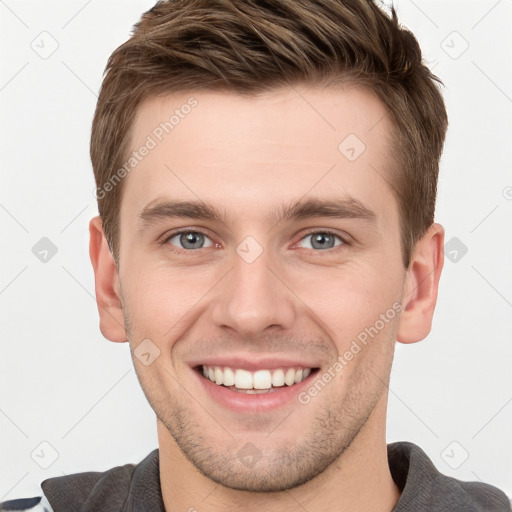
(106, 278)
(421, 285)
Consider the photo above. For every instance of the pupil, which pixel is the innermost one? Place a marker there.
(322, 239)
(191, 238)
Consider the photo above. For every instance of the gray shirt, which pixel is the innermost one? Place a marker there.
(136, 488)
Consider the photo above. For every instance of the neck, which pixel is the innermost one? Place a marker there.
(357, 480)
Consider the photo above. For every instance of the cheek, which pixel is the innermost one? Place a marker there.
(342, 299)
(350, 298)
(161, 298)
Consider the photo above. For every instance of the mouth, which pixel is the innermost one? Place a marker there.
(257, 382)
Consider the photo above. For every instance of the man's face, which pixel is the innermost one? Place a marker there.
(258, 291)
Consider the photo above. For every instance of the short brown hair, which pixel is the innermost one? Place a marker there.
(254, 46)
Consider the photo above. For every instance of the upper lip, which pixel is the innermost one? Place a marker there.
(254, 363)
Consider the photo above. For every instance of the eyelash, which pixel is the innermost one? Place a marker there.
(174, 250)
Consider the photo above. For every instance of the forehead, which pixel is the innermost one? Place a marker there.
(253, 154)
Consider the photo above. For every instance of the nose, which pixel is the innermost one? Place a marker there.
(254, 297)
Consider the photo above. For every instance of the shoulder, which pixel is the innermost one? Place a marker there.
(127, 487)
(103, 491)
(423, 487)
(36, 504)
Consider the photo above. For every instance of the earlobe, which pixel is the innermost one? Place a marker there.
(106, 278)
(421, 286)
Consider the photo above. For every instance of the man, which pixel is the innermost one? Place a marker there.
(266, 179)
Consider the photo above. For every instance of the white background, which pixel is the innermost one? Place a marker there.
(62, 383)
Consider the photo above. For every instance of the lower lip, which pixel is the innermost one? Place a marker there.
(253, 403)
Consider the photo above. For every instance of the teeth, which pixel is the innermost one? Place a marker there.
(289, 378)
(253, 382)
(278, 378)
(243, 379)
(262, 379)
(228, 377)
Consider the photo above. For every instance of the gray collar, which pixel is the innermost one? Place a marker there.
(136, 487)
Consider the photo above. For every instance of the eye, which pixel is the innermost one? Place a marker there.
(189, 240)
(322, 240)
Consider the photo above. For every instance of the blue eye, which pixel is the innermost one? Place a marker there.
(322, 240)
(190, 239)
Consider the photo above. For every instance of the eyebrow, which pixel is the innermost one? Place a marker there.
(346, 208)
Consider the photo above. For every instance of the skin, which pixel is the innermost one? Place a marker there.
(249, 156)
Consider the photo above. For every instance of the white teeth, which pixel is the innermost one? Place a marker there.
(278, 378)
(258, 380)
(243, 379)
(228, 378)
(262, 379)
(218, 375)
(289, 378)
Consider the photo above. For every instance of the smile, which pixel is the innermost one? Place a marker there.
(260, 381)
